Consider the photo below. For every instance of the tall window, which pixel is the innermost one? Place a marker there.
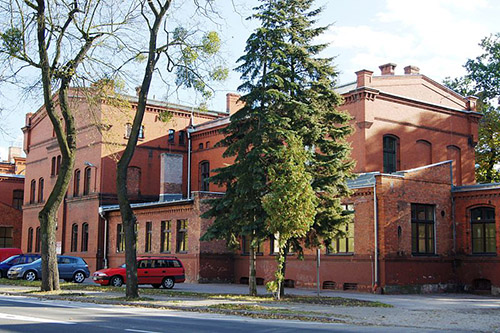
(74, 238)
(53, 166)
(344, 242)
(182, 235)
(30, 240)
(141, 132)
(483, 230)
(6, 234)
(128, 130)
(76, 183)
(17, 199)
(204, 175)
(171, 136)
(38, 240)
(166, 241)
(85, 237)
(86, 180)
(149, 237)
(40, 190)
(422, 229)
(390, 153)
(58, 165)
(32, 191)
(120, 238)
(182, 137)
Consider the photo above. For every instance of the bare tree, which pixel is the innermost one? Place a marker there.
(55, 38)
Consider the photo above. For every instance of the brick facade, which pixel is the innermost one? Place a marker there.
(432, 130)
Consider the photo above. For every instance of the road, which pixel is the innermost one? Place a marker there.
(24, 314)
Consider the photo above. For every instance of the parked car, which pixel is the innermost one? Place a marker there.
(157, 271)
(7, 252)
(16, 260)
(70, 269)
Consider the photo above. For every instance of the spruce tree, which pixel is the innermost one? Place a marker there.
(289, 93)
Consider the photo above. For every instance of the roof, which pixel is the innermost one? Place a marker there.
(10, 175)
(111, 208)
(477, 187)
(363, 180)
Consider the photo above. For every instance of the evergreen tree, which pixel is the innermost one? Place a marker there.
(289, 94)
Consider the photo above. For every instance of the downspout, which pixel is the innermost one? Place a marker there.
(453, 222)
(190, 129)
(375, 235)
(105, 241)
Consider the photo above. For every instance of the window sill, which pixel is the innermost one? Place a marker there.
(485, 254)
(425, 255)
(342, 254)
(182, 252)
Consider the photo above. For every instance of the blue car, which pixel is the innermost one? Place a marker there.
(18, 259)
(70, 269)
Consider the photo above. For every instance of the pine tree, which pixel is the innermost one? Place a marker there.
(289, 94)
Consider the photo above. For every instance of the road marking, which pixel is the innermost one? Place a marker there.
(139, 331)
(33, 319)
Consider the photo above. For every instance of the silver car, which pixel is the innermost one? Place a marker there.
(70, 269)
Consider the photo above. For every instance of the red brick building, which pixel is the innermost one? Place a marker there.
(11, 198)
(428, 228)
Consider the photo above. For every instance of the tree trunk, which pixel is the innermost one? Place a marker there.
(283, 271)
(252, 281)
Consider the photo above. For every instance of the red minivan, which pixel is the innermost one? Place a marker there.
(156, 271)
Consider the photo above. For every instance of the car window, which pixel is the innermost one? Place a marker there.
(30, 259)
(160, 263)
(64, 261)
(17, 261)
(145, 264)
(174, 263)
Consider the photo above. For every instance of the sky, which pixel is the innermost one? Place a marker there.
(438, 36)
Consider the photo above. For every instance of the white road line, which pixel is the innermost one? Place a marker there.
(131, 330)
(33, 319)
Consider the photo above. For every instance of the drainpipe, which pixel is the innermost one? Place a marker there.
(375, 235)
(190, 129)
(453, 222)
(105, 250)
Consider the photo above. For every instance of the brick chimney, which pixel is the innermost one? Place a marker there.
(471, 103)
(411, 70)
(233, 103)
(364, 78)
(387, 69)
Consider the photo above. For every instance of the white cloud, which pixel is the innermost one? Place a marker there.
(436, 35)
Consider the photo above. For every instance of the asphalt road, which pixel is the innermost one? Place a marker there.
(23, 314)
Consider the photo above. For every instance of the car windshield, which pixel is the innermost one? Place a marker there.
(37, 261)
(6, 261)
(124, 266)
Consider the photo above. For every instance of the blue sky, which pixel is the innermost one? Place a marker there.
(438, 36)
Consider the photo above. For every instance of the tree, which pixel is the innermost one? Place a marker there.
(184, 54)
(483, 80)
(55, 38)
(289, 93)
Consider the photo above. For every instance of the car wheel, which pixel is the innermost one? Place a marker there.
(79, 277)
(30, 276)
(168, 283)
(116, 281)
(156, 285)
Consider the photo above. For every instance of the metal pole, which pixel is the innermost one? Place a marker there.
(318, 260)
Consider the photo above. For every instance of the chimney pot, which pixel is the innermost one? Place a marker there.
(471, 103)
(233, 103)
(387, 69)
(411, 70)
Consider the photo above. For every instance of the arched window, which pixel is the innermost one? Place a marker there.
(133, 180)
(483, 230)
(32, 191)
(30, 240)
(53, 167)
(86, 181)
(38, 240)
(391, 158)
(455, 154)
(40, 190)
(204, 175)
(58, 165)
(74, 238)
(76, 183)
(171, 136)
(85, 237)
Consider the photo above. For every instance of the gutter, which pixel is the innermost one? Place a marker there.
(189, 131)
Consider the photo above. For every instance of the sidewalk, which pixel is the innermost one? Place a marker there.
(457, 312)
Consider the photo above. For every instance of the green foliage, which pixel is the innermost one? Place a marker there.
(211, 43)
(165, 116)
(12, 41)
(288, 141)
(483, 80)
